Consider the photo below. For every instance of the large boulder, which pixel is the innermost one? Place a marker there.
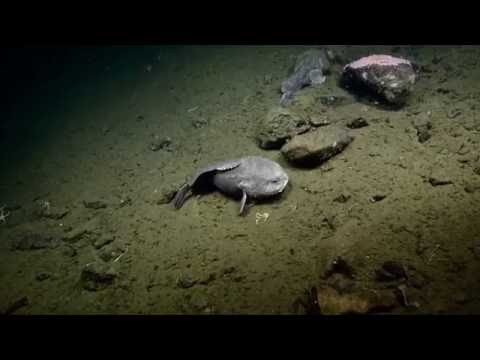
(279, 125)
(387, 77)
(316, 147)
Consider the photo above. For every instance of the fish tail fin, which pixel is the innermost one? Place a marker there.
(181, 196)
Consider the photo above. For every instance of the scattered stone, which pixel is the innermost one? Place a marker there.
(390, 271)
(340, 266)
(438, 182)
(423, 128)
(161, 143)
(95, 204)
(111, 251)
(34, 242)
(186, 282)
(199, 123)
(342, 198)
(124, 202)
(103, 240)
(319, 120)
(97, 276)
(279, 125)
(389, 78)
(42, 276)
(22, 302)
(357, 123)
(316, 147)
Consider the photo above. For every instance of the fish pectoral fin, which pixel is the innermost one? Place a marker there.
(243, 202)
(181, 196)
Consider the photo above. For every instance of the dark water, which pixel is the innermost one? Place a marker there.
(90, 229)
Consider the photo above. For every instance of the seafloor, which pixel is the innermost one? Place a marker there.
(83, 186)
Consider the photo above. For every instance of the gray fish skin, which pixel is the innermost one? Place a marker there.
(251, 176)
(308, 70)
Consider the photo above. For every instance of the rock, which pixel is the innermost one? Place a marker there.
(280, 125)
(390, 270)
(423, 128)
(316, 147)
(339, 266)
(319, 120)
(42, 276)
(438, 182)
(357, 123)
(111, 251)
(159, 143)
(95, 204)
(186, 282)
(389, 78)
(34, 242)
(103, 240)
(97, 276)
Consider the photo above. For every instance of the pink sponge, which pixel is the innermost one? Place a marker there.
(382, 60)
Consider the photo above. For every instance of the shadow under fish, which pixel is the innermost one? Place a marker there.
(248, 177)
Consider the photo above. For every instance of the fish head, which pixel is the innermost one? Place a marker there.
(273, 183)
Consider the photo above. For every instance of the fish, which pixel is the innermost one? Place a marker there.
(248, 177)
